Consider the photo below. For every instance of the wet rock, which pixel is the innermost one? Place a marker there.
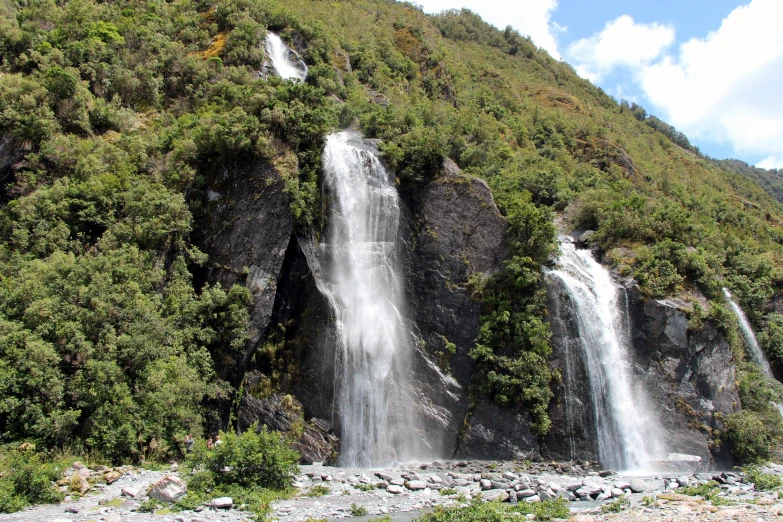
(639, 486)
(168, 489)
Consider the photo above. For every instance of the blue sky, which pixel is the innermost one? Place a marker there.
(711, 68)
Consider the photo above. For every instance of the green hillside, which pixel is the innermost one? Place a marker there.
(115, 109)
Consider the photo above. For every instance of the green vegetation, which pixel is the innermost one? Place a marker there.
(616, 506)
(709, 491)
(121, 112)
(26, 478)
(756, 433)
(478, 511)
(318, 490)
(762, 481)
(358, 511)
(253, 468)
(254, 458)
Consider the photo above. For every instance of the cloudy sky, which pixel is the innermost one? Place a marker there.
(711, 68)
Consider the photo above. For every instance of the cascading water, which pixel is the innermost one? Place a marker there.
(751, 343)
(628, 432)
(285, 62)
(363, 284)
(747, 334)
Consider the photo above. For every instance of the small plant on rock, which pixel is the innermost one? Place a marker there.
(358, 511)
(616, 506)
(318, 490)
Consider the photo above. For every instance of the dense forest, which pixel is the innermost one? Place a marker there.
(111, 112)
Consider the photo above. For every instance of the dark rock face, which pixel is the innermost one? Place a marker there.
(10, 155)
(315, 439)
(690, 374)
(246, 232)
(573, 432)
(499, 433)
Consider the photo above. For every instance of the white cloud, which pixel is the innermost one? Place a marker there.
(771, 162)
(723, 88)
(529, 17)
(622, 43)
(726, 87)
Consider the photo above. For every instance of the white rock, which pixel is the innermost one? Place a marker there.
(554, 486)
(395, 489)
(486, 484)
(416, 485)
(534, 498)
(617, 492)
(222, 503)
(168, 489)
(494, 495)
(510, 476)
(463, 490)
(131, 491)
(525, 493)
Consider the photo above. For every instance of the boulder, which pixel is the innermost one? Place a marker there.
(494, 495)
(639, 486)
(79, 484)
(222, 503)
(416, 485)
(132, 492)
(317, 443)
(168, 489)
(112, 476)
(394, 489)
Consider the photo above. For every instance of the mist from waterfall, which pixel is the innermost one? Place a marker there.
(363, 284)
(629, 434)
(284, 60)
(752, 345)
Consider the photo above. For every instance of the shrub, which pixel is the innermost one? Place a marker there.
(318, 490)
(358, 511)
(27, 480)
(762, 481)
(479, 511)
(253, 458)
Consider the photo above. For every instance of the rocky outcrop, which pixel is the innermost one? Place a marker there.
(314, 439)
(690, 374)
(246, 228)
(10, 156)
(500, 432)
(573, 432)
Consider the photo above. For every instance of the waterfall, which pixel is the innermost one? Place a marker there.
(629, 434)
(285, 62)
(751, 343)
(362, 282)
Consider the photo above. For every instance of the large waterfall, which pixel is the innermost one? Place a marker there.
(285, 62)
(747, 334)
(363, 284)
(629, 434)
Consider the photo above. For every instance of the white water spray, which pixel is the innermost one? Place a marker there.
(285, 62)
(629, 434)
(363, 284)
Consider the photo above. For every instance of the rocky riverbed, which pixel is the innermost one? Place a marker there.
(331, 493)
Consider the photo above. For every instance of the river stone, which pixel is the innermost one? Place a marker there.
(464, 491)
(525, 493)
(494, 495)
(639, 485)
(534, 498)
(486, 484)
(131, 491)
(168, 489)
(394, 489)
(222, 503)
(617, 492)
(416, 485)
(112, 476)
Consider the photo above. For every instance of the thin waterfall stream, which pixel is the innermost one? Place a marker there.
(284, 60)
(629, 435)
(751, 343)
(363, 283)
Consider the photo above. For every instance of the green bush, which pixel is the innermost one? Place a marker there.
(478, 511)
(762, 481)
(254, 458)
(26, 478)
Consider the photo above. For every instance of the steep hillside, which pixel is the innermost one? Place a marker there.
(133, 134)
